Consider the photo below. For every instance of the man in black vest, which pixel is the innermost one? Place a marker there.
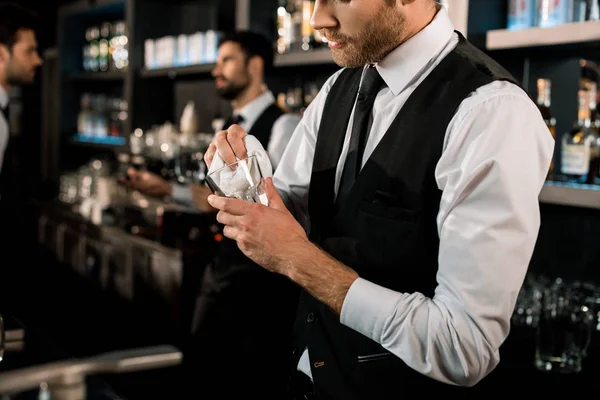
(409, 206)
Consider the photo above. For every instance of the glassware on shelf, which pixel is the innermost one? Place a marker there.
(564, 330)
(565, 317)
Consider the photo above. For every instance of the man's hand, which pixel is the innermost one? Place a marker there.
(147, 183)
(271, 237)
(267, 235)
(228, 144)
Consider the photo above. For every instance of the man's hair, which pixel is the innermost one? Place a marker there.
(13, 18)
(252, 44)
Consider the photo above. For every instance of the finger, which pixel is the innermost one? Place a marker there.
(131, 172)
(224, 148)
(225, 218)
(231, 206)
(210, 154)
(235, 137)
(230, 232)
(275, 200)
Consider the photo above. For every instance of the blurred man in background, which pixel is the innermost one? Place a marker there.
(19, 61)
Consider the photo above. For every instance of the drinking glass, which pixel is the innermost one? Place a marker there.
(243, 179)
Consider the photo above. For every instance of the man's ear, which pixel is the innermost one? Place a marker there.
(256, 66)
(4, 54)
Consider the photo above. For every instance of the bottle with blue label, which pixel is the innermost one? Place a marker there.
(521, 14)
(554, 12)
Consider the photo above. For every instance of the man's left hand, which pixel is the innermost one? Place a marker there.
(267, 235)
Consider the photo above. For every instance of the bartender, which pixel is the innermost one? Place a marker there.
(244, 59)
(243, 319)
(408, 211)
(19, 60)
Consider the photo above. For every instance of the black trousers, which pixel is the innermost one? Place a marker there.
(242, 330)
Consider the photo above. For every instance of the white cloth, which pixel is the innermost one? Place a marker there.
(231, 181)
(282, 131)
(496, 154)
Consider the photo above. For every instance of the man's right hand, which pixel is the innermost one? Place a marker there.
(228, 144)
(147, 183)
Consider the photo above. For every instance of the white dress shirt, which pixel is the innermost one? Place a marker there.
(4, 132)
(496, 154)
(281, 133)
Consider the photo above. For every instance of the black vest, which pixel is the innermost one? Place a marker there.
(386, 229)
(264, 124)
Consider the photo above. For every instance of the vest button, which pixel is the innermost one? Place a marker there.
(310, 318)
(294, 351)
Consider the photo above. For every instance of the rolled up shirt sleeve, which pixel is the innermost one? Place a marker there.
(182, 194)
(496, 157)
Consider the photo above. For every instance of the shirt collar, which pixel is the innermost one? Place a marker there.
(255, 108)
(3, 97)
(406, 62)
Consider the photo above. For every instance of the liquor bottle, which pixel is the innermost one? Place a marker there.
(521, 14)
(544, 87)
(284, 28)
(595, 142)
(118, 49)
(103, 46)
(94, 49)
(595, 146)
(576, 144)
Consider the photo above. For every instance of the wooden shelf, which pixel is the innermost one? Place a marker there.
(315, 57)
(569, 194)
(97, 76)
(571, 33)
(177, 71)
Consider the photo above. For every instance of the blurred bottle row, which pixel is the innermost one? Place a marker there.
(101, 116)
(181, 50)
(105, 47)
(523, 14)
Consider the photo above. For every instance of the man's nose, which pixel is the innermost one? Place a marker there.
(323, 16)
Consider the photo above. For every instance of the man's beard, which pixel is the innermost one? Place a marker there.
(370, 46)
(16, 76)
(231, 91)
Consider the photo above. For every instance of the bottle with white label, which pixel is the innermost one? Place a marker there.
(521, 14)
(576, 145)
(553, 12)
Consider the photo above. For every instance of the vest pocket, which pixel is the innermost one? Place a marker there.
(386, 235)
(369, 358)
(380, 210)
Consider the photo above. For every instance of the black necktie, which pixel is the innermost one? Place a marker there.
(5, 112)
(234, 119)
(369, 87)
